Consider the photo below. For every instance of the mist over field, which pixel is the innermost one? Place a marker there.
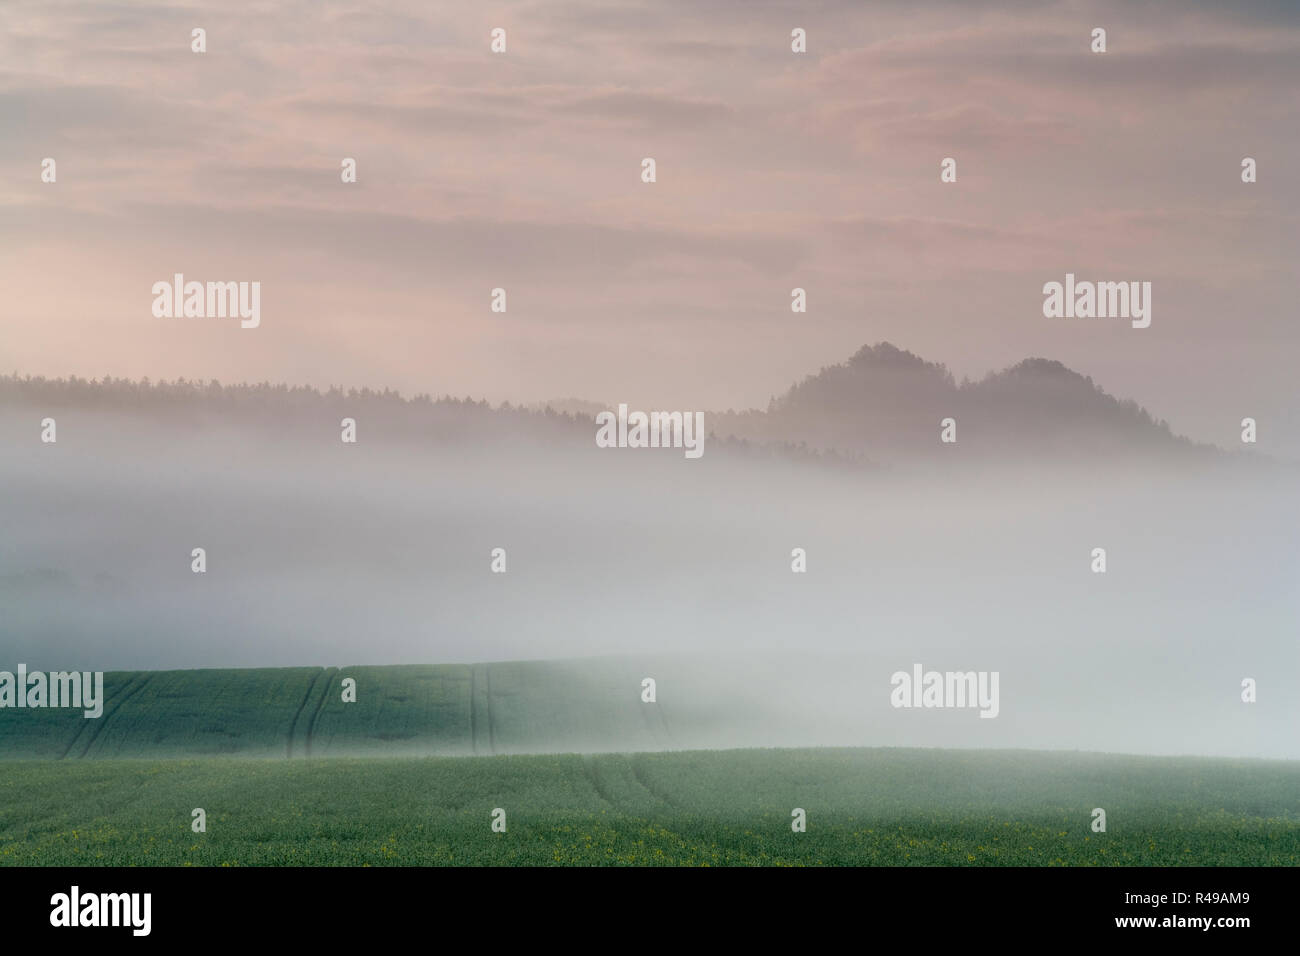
(653, 433)
(330, 554)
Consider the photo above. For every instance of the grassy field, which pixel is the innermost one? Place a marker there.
(413, 710)
(864, 806)
(409, 773)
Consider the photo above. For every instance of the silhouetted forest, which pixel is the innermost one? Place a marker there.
(883, 406)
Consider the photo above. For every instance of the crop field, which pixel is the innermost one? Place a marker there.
(864, 806)
(414, 710)
(288, 772)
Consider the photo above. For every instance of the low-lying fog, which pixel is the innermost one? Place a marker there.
(320, 552)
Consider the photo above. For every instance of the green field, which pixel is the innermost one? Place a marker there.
(410, 710)
(410, 774)
(883, 807)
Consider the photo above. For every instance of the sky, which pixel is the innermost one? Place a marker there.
(522, 170)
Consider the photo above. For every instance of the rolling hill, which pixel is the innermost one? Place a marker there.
(400, 710)
(285, 774)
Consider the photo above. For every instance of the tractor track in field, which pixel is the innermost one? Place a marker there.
(663, 724)
(656, 726)
(473, 687)
(639, 776)
(315, 715)
(109, 713)
(589, 766)
(480, 718)
(82, 729)
(492, 733)
(297, 714)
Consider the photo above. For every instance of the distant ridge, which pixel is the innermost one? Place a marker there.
(888, 403)
(883, 405)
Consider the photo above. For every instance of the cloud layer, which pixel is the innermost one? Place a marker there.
(775, 170)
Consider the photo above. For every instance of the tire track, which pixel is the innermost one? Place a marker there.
(81, 730)
(589, 765)
(110, 714)
(473, 690)
(663, 725)
(297, 715)
(649, 722)
(320, 705)
(655, 729)
(492, 733)
(639, 776)
(483, 738)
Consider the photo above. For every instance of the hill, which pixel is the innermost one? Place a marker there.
(887, 404)
(400, 710)
(883, 406)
